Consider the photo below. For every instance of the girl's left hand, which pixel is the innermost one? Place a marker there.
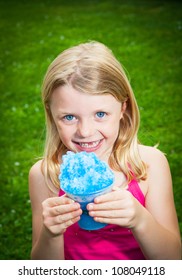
(118, 207)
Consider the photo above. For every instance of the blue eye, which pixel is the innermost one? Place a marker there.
(69, 117)
(100, 115)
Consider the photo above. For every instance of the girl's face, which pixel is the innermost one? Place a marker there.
(86, 122)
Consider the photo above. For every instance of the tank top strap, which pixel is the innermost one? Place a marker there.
(135, 190)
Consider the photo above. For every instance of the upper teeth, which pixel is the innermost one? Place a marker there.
(89, 145)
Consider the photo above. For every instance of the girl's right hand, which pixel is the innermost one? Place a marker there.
(59, 213)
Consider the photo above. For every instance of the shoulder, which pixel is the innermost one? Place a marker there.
(37, 185)
(158, 170)
(35, 174)
(152, 155)
(35, 170)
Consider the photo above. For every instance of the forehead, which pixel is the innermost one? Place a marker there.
(66, 97)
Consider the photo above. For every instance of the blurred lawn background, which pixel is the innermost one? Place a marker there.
(144, 35)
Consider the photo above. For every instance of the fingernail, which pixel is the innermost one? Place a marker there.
(97, 200)
(92, 213)
(90, 206)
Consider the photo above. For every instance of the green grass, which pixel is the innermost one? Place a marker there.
(144, 35)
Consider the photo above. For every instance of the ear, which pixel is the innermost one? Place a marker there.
(123, 109)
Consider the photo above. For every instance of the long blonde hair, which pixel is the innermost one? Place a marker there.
(91, 68)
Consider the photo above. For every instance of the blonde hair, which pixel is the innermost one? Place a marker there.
(91, 68)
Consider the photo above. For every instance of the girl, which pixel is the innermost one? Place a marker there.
(90, 106)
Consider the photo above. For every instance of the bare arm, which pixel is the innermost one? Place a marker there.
(155, 227)
(158, 231)
(51, 215)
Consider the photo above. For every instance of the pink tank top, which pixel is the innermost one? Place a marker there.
(109, 243)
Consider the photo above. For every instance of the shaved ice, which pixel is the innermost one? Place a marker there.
(83, 176)
(84, 173)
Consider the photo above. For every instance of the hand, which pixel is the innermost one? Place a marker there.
(59, 213)
(118, 207)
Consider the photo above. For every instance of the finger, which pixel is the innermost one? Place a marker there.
(115, 221)
(61, 219)
(120, 201)
(62, 209)
(70, 223)
(114, 195)
(54, 201)
(61, 228)
(108, 214)
(113, 205)
(65, 217)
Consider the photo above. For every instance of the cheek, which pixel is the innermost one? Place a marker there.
(64, 132)
(112, 130)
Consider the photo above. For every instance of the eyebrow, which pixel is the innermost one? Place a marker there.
(63, 113)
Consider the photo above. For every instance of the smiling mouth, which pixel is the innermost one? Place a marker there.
(88, 145)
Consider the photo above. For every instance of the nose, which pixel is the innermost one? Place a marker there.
(85, 128)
